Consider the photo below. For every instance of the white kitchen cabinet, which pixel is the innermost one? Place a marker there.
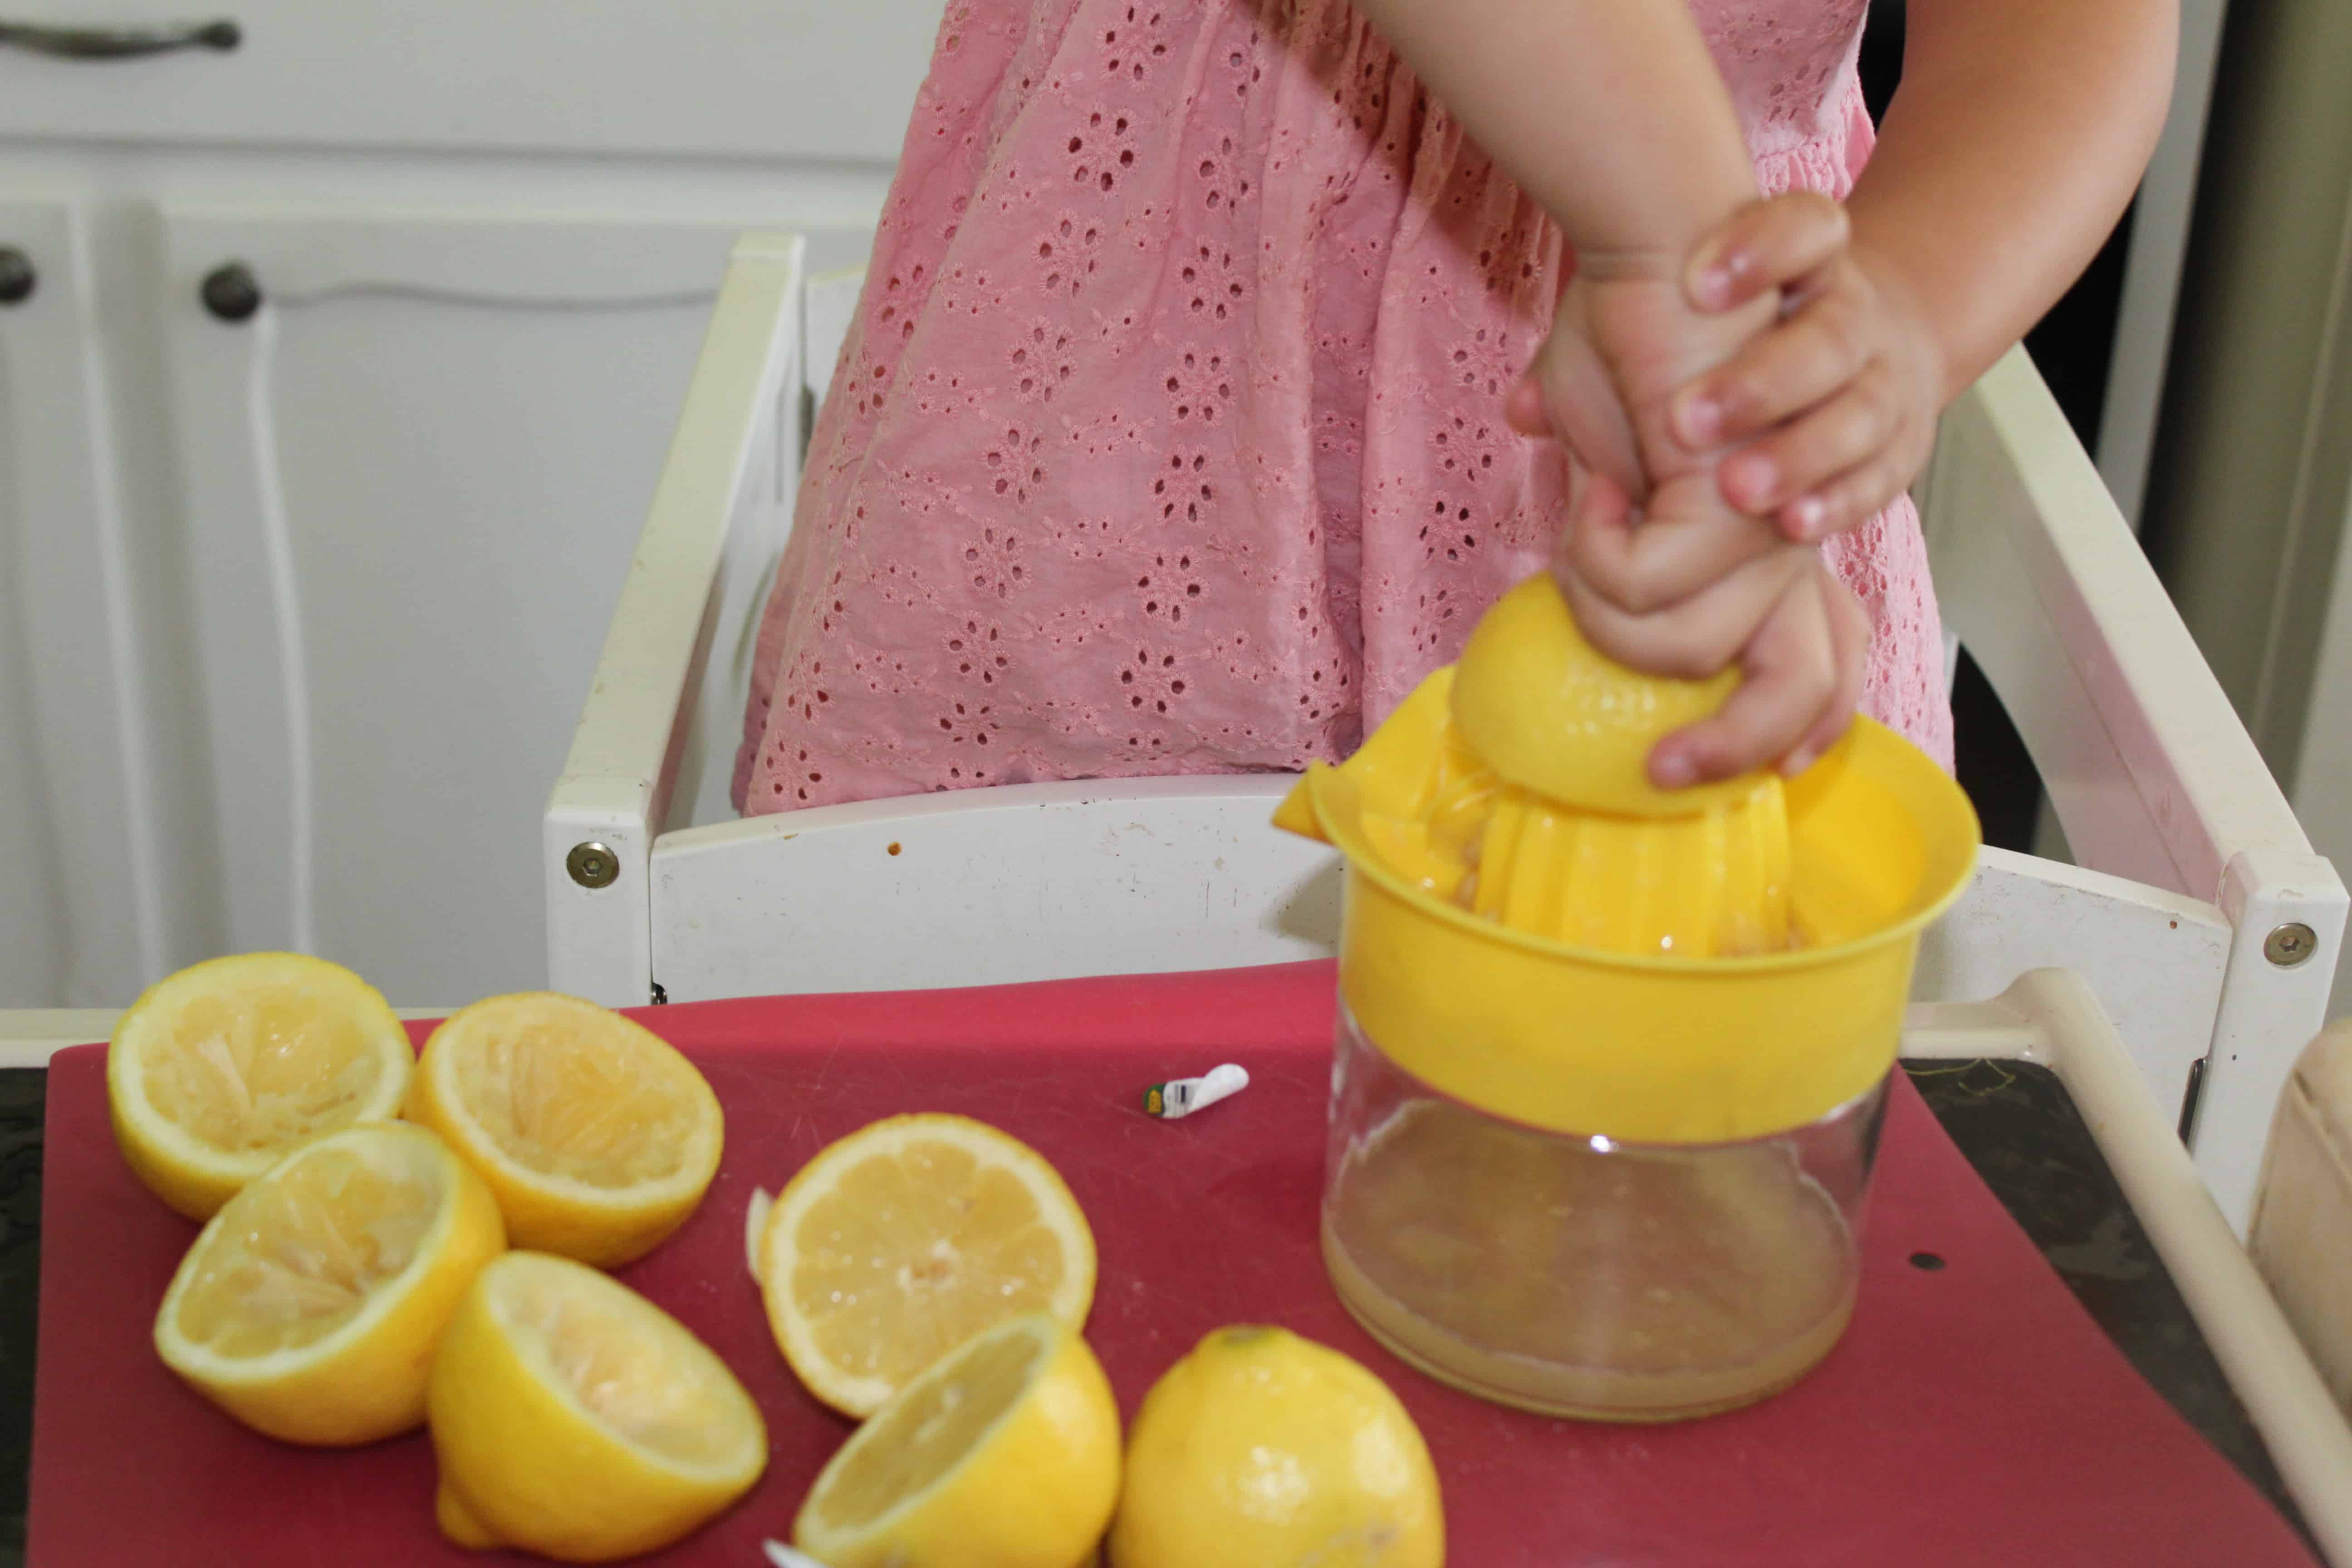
(412, 478)
(74, 839)
(765, 79)
(298, 604)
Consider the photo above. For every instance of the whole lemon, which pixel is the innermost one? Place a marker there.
(1261, 1449)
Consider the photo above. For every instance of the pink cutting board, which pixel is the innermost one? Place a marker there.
(1971, 1415)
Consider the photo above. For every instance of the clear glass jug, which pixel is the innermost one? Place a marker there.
(1580, 1277)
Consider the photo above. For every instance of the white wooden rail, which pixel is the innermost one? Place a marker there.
(2198, 915)
(655, 724)
(2167, 808)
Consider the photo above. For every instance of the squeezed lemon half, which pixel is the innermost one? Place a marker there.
(215, 1072)
(574, 1418)
(310, 1306)
(597, 1136)
(1005, 1453)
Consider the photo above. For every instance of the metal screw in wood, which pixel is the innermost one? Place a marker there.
(592, 864)
(2290, 944)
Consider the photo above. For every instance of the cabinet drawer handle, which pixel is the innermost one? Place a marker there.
(16, 276)
(118, 43)
(230, 292)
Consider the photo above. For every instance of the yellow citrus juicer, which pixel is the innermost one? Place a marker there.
(1575, 965)
(1539, 814)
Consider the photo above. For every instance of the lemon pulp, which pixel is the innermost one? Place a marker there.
(922, 1438)
(899, 1242)
(310, 1251)
(1005, 1451)
(257, 1072)
(930, 1225)
(597, 1136)
(219, 1070)
(573, 1418)
(578, 1104)
(655, 1390)
(311, 1305)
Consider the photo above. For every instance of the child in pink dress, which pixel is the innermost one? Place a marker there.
(1177, 431)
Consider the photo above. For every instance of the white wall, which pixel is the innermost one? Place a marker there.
(2250, 477)
(2323, 784)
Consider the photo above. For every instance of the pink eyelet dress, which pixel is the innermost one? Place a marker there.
(1169, 436)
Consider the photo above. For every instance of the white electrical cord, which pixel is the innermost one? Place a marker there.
(278, 546)
(285, 609)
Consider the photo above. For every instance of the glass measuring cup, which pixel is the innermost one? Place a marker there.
(1577, 1275)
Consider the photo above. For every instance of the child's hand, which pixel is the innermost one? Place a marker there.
(1661, 574)
(1603, 384)
(1837, 402)
(1622, 343)
(1796, 632)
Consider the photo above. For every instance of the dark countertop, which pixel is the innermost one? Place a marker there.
(21, 1093)
(2020, 1129)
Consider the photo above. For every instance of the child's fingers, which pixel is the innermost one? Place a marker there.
(1523, 408)
(1699, 637)
(1672, 550)
(1790, 678)
(1777, 374)
(1766, 243)
(1832, 438)
(1582, 407)
(1850, 630)
(1849, 500)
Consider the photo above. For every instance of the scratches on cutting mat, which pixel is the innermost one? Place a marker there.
(823, 1068)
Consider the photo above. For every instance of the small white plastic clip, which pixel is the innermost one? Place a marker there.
(1180, 1096)
(755, 1233)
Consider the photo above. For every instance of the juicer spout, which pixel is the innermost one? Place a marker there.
(1296, 812)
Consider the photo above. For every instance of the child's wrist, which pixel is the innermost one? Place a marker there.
(1655, 343)
(1894, 286)
(1629, 264)
(1663, 235)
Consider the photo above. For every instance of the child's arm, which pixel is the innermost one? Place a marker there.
(1609, 113)
(2014, 142)
(1611, 116)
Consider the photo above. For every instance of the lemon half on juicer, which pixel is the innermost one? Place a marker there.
(1529, 801)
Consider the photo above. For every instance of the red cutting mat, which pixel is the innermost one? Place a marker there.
(1971, 1415)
